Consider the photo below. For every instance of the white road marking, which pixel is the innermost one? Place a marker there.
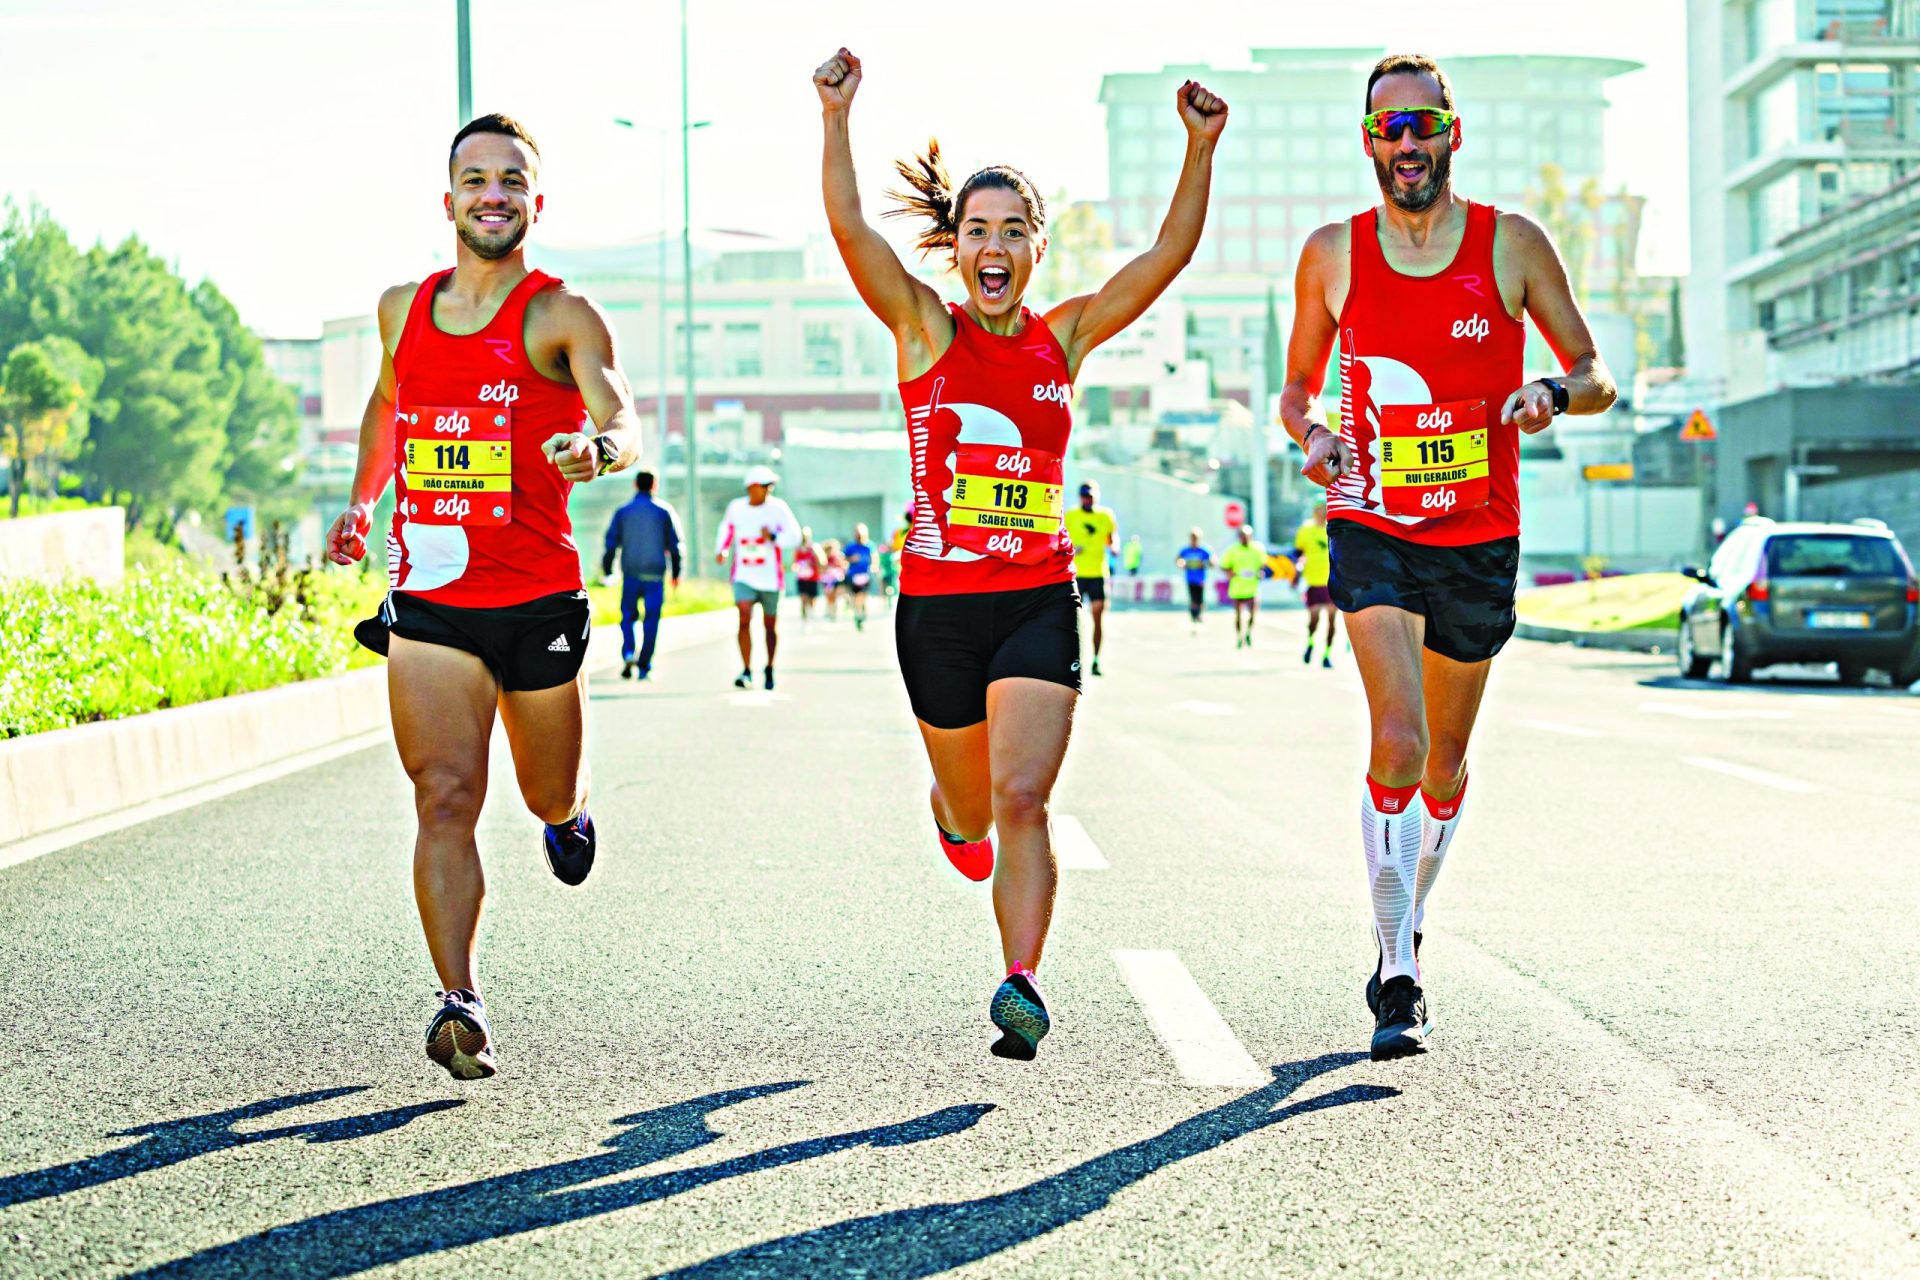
(119, 820)
(1202, 1044)
(757, 698)
(1570, 730)
(1778, 781)
(1193, 707)
(1687, 711)
(1073, 848)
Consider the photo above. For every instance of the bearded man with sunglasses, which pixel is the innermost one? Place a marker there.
(1427, 295)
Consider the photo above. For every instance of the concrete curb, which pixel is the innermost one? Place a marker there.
(68, 776)
(1647, 641)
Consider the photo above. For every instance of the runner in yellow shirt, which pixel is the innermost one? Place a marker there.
(1243, 563)
(1316, 566)
(1094, 533)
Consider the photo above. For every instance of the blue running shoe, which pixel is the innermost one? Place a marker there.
(1021, 1016)
(569, 847)
(459, 1038)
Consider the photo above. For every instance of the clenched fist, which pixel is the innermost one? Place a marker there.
(1201, 110)
(837, 80)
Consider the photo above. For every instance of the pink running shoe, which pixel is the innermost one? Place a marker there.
(971, 858)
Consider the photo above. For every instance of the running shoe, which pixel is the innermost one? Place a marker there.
(1401, 1027)
(1373, 983)
(569, 847)
(1096, 666)
(769, 678)
(626, 668)
(459, 1039)
(971, 858)
(1307, 657)
(1326, 660)
(1021, 1016)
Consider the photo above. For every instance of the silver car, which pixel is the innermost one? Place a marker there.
(1802, 593)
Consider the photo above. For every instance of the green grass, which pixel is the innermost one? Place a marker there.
(695, 595)
(1630, 602)
(34, 505)
(169, 635)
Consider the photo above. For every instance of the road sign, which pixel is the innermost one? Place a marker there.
(1236, 513)
(1608, 471)
(1698, 427)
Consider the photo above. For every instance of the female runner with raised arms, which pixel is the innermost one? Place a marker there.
(988, 622)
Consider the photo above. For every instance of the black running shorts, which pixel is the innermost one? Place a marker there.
(537, 644)
(952, 647)
(1464, 593)
(1092, 590)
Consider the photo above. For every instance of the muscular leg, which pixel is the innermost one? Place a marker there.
(746, 634)
(546, 731)
(442, 706)
(1099, 611)
(1387, 649)
(1028, 722)
(771, 623)
(962, 794)
(1452, 691)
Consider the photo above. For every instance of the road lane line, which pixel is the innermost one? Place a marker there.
(1687, 711)
(106, 824)
(1778, 781)
(1202, 1044)
(1570, 730)
(1073, 848)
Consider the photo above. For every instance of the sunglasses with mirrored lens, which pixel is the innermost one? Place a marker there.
(1426, 122)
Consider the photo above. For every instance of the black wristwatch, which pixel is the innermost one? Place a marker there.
(609, 454)
(1560, 398)
(1306, 441)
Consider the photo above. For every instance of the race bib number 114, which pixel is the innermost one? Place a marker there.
(459, 463)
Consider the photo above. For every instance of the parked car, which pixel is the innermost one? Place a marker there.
(1803, 593)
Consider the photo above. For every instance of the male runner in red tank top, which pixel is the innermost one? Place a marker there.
(492, 382)
(987, 629)
(1426, 295)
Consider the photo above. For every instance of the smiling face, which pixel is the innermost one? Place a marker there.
(996, 249)
(1414, 172)
(493, 203)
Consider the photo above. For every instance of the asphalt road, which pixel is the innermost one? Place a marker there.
(1670, 959)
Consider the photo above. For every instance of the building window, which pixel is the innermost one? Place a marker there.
(1237, 217)
(702, 350)
(1841, 19)
(1853, 102)
(743, 350)
(822, 354)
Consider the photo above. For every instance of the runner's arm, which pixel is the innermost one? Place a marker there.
(1550, 303)
(725, 537)
(905, 305)
(586, 342)
(1085, 322)
(787, 536)
(673, 540)
(613, 542)
(347, 539)
(1308, 347)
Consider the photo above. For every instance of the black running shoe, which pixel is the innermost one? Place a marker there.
(459, 1039)
(1402, 1026)
(769, 678)
(1373, 983)
(569, 848)
(744, 680)
(1096, 666)
(626, 669)
(1021, 1016)
(1307, 657)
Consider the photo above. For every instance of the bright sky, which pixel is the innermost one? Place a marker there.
(295, 150)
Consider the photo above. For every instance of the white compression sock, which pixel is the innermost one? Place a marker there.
(1443, 819)
(1392, 824)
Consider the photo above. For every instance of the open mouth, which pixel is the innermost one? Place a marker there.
(1410, 170)
(494, 219)
(995, 282)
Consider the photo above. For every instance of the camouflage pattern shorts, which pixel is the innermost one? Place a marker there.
(1464, 593)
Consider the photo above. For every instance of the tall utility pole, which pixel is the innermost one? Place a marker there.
(695, 530)
(465, 41)
(660, 273)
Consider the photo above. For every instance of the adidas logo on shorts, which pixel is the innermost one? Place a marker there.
(559, 645)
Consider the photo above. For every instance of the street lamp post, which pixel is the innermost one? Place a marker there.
(660, 277)
(463, 40)
(694, 527)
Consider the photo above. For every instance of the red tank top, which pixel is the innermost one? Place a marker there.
(480, 513)
(1426, 365)
(987, 427)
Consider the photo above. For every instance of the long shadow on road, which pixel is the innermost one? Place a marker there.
(170, 1142)
(938, 1237)
(349, 1241)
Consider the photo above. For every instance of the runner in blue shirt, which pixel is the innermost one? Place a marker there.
(859, 556)
(1195, 559)
(645, 535)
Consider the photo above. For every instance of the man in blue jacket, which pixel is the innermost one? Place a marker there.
(646, 534)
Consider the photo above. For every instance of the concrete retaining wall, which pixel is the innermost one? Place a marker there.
(52, 780)
(67, 544)
(1639, 641)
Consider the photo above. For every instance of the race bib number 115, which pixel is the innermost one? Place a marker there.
(1433, 457)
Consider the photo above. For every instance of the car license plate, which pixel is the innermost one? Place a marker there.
(1839, 619)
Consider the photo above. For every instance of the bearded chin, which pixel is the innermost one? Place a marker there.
(492, 250)
(1420, 198)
